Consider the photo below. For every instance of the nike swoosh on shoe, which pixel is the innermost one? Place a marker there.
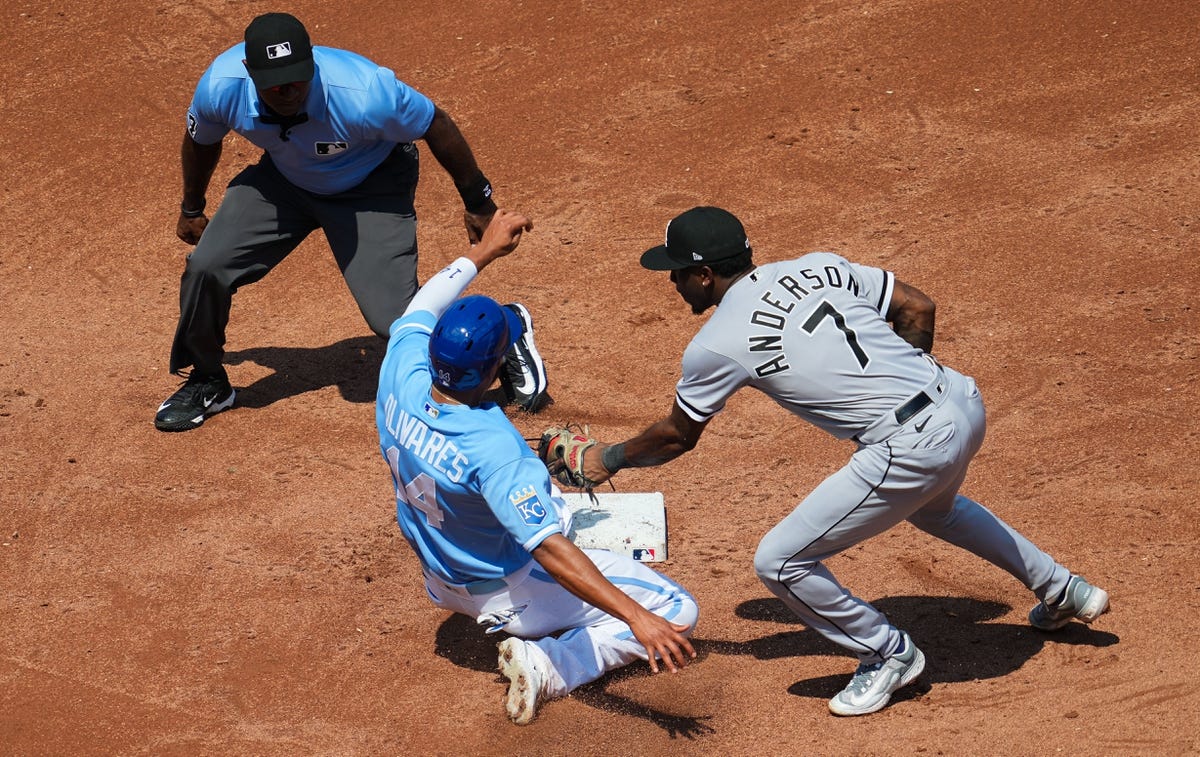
(527, 382)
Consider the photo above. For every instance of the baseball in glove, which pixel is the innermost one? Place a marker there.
(562, 448)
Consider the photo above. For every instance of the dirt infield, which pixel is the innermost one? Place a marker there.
(243, 588)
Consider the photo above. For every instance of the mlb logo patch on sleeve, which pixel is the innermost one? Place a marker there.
(531, 509)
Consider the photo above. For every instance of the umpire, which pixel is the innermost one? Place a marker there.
(337, 135)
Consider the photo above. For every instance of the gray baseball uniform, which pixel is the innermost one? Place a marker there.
(812, 334)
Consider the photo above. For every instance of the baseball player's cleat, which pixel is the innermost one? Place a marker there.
(1080, 601)
(524, 376)
(524, 680)
(872, 686)
(199, 397)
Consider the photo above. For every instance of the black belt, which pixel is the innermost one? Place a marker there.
(919, 402)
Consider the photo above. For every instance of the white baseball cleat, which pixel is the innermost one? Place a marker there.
(525, 681)
(872, 686)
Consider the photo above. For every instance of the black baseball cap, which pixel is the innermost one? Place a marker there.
(278, 50)
(700, 236)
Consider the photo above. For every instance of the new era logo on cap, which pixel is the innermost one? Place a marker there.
(701, 236)
(282, 50)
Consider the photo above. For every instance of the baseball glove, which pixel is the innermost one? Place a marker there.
(561, 448)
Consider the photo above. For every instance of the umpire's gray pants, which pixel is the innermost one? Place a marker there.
(371, 230)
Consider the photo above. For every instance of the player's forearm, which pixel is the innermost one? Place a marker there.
(198, 163)
(453, 153)
(500, 238)
(572, 569)
(660, 443)
(444, 287)
(654, 446)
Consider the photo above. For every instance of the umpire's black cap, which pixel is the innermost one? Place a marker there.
(278, 50)
(700, 236)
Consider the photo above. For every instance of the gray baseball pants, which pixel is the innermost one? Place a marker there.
(914, 474)
(371, 230)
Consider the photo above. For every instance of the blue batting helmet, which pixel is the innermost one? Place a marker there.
(469, 338)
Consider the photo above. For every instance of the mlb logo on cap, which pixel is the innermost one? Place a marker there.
(278, 50)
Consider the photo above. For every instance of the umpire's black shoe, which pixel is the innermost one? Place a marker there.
(524, 376)
(199, 397)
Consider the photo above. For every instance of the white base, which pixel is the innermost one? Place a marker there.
(632, 524)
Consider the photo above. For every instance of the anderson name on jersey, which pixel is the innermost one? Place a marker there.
(812, 334)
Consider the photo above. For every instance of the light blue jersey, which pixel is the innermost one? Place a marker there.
(442, 456)
(474, 501)
(357, 113)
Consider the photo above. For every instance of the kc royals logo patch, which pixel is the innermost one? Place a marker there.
(530, 508)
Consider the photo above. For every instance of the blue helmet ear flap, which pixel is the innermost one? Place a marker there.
(467, 341)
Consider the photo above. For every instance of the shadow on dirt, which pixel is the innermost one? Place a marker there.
(959, 642)
(461, 641)
(676, 726)
(352, 365)
(954, 633)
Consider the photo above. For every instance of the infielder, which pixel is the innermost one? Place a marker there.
(477, 506)
(337, 135)
(813, 334)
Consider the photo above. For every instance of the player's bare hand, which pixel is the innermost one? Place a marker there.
(501, 236)
(476, 223)
(664, 641)
(190, 229)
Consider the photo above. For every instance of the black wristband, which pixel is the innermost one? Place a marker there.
(195, 212)
(477, 195)
(613, 458)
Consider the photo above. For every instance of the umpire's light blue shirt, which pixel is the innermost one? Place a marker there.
(357, 113)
